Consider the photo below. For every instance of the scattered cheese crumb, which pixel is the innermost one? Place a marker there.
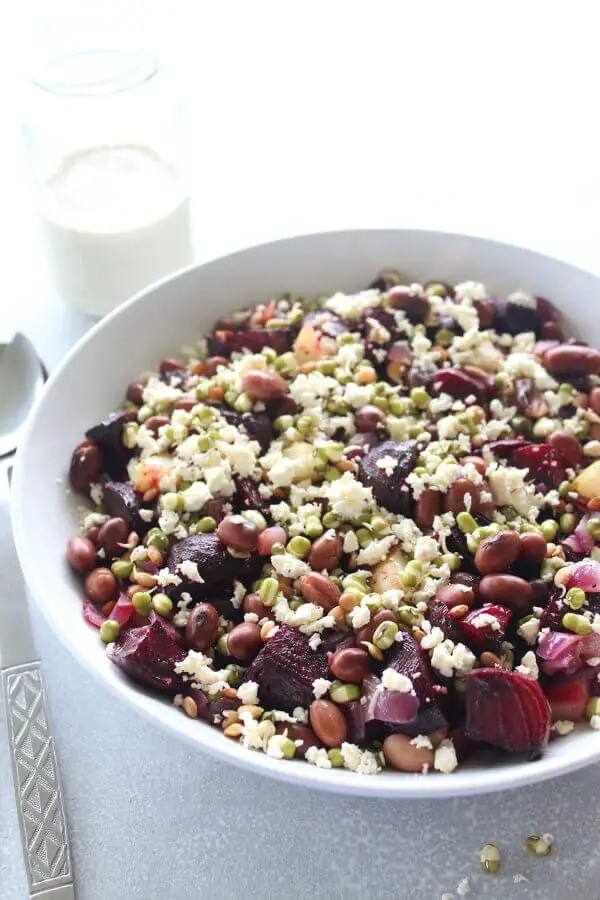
(395, 681)
(445, 759)
(248, 693)
(321, 686)
(563, 726)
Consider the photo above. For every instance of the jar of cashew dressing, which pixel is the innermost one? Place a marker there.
(104, 140)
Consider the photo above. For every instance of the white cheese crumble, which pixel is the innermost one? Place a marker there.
(444, 759)
(289, 566)
(317, 756)
(422, 742)
(363, 762)
(165, 577)
(320, 687)
(485, 620)
(595, 723)
(388, 464)
(348, 497)
(375, 551)
(352, 306)
(395, 681)
(248, 693)
(189, 570)
(199, 667)
(529, 666)
(351, 544)
(470, 290)
(529, 631)
(563, 726)
(146, 515)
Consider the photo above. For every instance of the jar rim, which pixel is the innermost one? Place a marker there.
(96, 73)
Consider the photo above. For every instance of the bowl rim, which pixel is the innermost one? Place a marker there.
(465, 781)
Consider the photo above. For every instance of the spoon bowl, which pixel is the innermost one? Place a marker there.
(22, 377)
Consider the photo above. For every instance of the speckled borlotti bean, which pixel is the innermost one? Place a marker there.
(574, 358)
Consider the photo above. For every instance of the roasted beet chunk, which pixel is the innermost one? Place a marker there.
(218, 568)
(224, 343)
(547, 466)
(108, 435)
(149, 655)
(257, 425)
(397, 461)
(507, 710)
(122, 502)
(285, 670)
(409, 659)
(514, 318)
(459, 384)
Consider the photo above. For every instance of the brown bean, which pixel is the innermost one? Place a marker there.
(456, 595)
(402, 755)
(272, 535)
(202, 626)
(427, 507)
(328, 722)
(100, 585)
(568, 445)
(86, 465)
(540, 592)
(326, 552)
(112, 533)
(135, 393)
(496, 552)
(574, 358)
(486, 312)
(260, 385)
(320, 590)
(238, 533)
(454, 500)
(81, 554)
(92, 534)
(213, 364)
(370, 418)
(186, 403)
(350, 664)
(533, 547)
(244, 641)
(171, 365)
(367, 631)
(551, 331)
(414, 303)
(156, 422)
(509, 590)
(479, 463)
(595, 400)
(296, 731)
(252, 604)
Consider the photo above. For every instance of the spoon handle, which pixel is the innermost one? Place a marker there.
(38, 792)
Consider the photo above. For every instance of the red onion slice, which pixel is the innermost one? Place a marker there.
(585, 575)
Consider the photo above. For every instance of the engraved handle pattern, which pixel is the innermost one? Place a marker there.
(37, 786)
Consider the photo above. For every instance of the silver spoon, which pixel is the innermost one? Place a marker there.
(38, 793)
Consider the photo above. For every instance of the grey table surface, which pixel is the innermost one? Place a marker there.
(148, 817)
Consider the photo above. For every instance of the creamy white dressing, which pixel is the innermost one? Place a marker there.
(114, 219)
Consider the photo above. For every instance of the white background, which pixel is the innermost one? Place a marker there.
(473, 117)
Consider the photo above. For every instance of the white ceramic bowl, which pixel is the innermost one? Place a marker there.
(91, 381)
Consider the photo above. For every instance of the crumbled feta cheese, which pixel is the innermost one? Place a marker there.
(289, 566)
(317, 756)
(375, 551)
(189, 570)
(248, 693)
(165, 577)
(422, 742)
(529, 631)
(433, 639)
(523, 298)
(444, 759)
(314, 641)
(351, 544)
(463, 887)
(146, 515)
(352, 306)
(391, 680)
(360, 616)
(470, 290)
(320, 687)
(595, 723)
(199, 667)
(364, 762)
(168, 521)
(529, 666)
(483, 620)
(348, 497)
(563, 726)
(300, 714)
(388, 464)
(275, 746)
(195, 497)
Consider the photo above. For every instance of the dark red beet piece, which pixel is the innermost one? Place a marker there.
(121, 501)
(489, 636)
(148, 655)
(225, 343)
(109, 437)
(386, 488)
(216, 566)
(247, 495)
(438, 614)
(507, 710)
(285, 670)
(407, 657)
(513, 318)
(547, 466)
(257, 425)
(459, 384)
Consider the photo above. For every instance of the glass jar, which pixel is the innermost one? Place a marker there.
(103, 136)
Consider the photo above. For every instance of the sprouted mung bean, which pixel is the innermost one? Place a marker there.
(409, 471)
